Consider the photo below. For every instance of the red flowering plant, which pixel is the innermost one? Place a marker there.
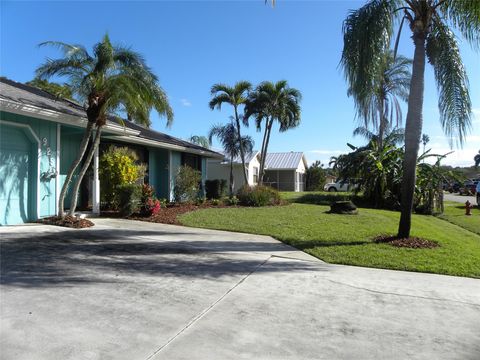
(150, 204)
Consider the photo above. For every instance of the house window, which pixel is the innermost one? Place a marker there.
(255, 175)
(194, 161)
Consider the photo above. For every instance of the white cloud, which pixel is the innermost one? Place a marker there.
(476, 115)
(326, 152)
(185, 102)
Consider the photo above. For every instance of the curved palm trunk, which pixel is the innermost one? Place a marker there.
(265, 151)
(242, 152)
(262, 153)
(413, 131)
(231, 177)
(73, 167)
(83, 171)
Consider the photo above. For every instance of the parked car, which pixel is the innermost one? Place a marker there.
(339, 185)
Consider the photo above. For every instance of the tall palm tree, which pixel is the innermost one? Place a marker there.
(231, 143)
(110, 80)
(270, 103)
(379, 105)
(236, 96)
(368, 32)
(200, 140)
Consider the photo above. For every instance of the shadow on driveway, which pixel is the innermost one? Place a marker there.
(72, 257)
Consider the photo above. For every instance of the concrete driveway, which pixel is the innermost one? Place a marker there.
(460, 198)
(134, 290)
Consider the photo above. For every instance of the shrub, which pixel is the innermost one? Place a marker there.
(315, 177)
(258, 196)
(150, 205)
(118, 167)
(216, 202)
(200, 200)
(129, 198)
(233, 201)
(187, 184)
(215, 189)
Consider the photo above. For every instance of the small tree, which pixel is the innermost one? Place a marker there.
(315, 177)
(118, 167)
(187, 184)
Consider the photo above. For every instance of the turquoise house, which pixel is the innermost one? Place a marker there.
(39, 138)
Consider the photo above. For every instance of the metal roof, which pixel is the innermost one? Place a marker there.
(30, 95)
(283, 160)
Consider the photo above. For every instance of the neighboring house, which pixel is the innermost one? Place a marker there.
(283, 171)
(39, 138)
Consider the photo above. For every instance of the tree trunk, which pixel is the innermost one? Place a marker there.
(231, 177)
(83, 171)
(382, 125)
(265, 151)
(413, 131)
(242, 152)
(262, 152)
(73, 167)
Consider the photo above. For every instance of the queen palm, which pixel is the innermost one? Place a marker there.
(379, 106)
(231, 143)
(236, 96)
(368, 32)
(112, 79)
(270, 103)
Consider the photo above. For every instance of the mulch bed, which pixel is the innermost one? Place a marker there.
(411, 242)
(169, 214)
(68, 221)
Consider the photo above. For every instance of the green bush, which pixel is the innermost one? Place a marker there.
(129, 198)
(187, 184)
(233, 201)
(215, 189)
(118, 167)
(258, 196)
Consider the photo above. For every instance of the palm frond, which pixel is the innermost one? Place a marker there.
(452, 82)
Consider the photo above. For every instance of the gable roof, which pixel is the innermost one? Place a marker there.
(284, 160)
(23, 95)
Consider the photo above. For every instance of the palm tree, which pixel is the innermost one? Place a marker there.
(272, 102)
(379, 104)
(200, 140)
(112, 79)
(368, 32)
(235, 96)
(231, 143)
(425, 141)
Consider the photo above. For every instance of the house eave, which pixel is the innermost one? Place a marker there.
(163, 145)
(59, 117)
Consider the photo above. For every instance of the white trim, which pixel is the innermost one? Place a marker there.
(96, 185)
(162, 145)
(57, 179)
(170, 190)
(39, 156)
(59, 117)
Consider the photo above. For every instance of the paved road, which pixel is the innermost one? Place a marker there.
(459, 198)
(132, 290)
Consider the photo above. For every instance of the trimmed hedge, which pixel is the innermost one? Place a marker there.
(215, 189)
(258, 196)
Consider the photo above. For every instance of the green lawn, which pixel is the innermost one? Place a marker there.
(455, 213)
(347, 239)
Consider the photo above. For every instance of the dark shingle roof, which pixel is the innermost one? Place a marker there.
(29, 95)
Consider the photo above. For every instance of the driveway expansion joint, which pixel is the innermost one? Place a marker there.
(205, 311)
(402, 295)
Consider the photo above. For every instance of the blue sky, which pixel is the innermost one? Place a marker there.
(192, 45)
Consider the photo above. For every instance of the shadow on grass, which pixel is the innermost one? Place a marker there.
(71, 257)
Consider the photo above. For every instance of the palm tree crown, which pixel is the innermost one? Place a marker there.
(112, 79)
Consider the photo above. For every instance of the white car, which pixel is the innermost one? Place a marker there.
(339, 185)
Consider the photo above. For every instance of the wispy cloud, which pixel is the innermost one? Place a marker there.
(326, 152)
(476, 115)
(186, 102)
